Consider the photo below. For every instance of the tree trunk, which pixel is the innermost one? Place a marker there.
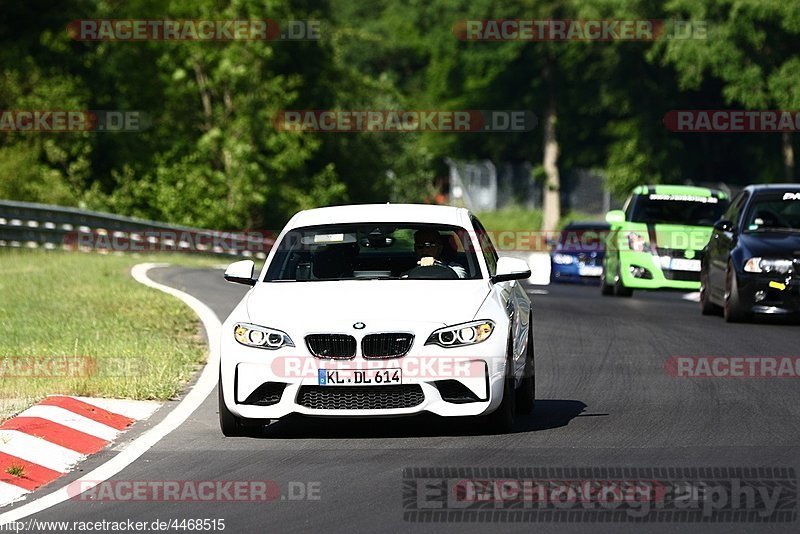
(788, 157)
(552, 186)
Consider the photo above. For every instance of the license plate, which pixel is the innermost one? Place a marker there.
(678, 264)
(590, 270)
(361, 377)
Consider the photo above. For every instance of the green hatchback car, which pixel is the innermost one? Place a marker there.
(656, 240)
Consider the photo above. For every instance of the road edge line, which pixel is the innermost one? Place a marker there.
(193, 399)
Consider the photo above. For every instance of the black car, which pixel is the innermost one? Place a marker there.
(577, 255)
(752, 262)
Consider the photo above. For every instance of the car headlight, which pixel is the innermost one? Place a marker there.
(461, 334)
(563, 259)
(763, 265)
(637, 243)
(261, 337)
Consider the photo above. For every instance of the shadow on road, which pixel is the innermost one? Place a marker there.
(548, 414)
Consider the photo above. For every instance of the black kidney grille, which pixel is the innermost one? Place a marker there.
(387, 345)
(332, 346)
(360, 397)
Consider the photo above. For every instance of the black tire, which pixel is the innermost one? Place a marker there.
(732, 311)
(620, 290)
(706, 306)
(605, 289)
(526, 393)
(501, 421)
(231, 425)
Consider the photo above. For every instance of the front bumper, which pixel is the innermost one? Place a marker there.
(660, 278)
(288, 380)
(782, 293)
(587, 271)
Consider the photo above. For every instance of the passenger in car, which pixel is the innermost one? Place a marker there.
(428, 246)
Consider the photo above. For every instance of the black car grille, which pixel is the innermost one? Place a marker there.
(679, 253)
(682, 276)
(589, 260)
(360, 398)
(266, 394)
(331, 346)
(388, 345)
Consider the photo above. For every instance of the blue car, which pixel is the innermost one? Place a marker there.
(578, 253)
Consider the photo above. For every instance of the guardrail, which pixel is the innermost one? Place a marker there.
(31, 225)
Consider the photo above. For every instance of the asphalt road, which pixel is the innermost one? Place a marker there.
(604, 401)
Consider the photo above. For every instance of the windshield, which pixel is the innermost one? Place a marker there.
(774, 211)
(373, 251)
(689, 210)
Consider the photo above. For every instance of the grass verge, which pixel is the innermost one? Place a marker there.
(511, 219)
(77, 323)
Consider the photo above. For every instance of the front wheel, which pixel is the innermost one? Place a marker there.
(526, 393)
(232, 425)
(620, 289)
(606, 289)
(501, 421)
(733, 309)
(706, 306)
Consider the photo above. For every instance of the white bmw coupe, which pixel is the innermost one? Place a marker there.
(378, 310)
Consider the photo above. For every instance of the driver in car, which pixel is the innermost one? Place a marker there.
(428, 246)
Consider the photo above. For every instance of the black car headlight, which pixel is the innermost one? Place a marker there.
(462, 334)
(768, 266)
(261, 337)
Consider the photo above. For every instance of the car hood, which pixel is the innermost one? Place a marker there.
(337, 305)
(771, 244)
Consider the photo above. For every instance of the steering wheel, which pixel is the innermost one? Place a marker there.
(437, 271)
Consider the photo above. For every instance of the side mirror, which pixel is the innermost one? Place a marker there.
(723, 225)
(511, 269)
(241, 272)
(615, 217)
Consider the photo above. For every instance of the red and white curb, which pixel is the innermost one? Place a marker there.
(49, 439)
(134, 449)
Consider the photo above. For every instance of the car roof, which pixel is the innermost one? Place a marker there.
(754, 188)
(666, 189)
(363, 213)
